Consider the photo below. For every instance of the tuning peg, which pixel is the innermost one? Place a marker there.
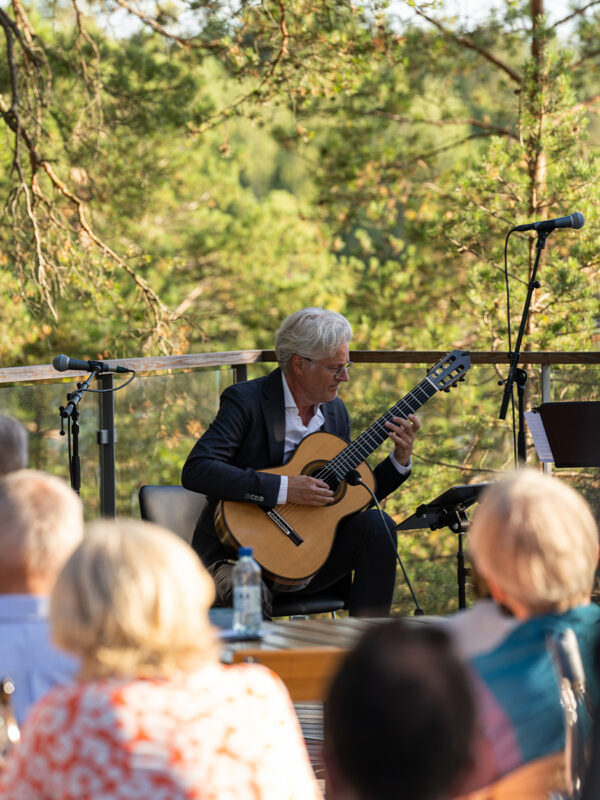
(462, 378)
(446, 390)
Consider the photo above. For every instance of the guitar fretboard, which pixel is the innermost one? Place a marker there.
(370, 439)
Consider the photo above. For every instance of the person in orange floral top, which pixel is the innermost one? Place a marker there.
(154, 714)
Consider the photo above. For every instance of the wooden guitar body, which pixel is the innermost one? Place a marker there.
(291, 562)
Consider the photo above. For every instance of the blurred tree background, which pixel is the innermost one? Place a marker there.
(178, 176)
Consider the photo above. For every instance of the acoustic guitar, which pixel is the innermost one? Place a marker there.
(291, 542)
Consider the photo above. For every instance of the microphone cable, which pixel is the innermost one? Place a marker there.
(353, 478)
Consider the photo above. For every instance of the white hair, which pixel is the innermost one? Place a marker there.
(13, 445)
(41, 522)
(536, 537)
(311, 332)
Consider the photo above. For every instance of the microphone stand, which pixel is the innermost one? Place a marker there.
(70, 412)
(514, 372)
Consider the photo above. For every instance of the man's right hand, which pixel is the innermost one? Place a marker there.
(307, 491)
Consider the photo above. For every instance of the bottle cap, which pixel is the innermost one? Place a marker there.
(244, 551)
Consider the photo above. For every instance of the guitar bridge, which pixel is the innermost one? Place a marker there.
(285, 527)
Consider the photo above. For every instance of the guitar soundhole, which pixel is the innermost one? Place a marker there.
(314, 468)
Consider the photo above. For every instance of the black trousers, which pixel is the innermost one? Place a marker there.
(365, 544)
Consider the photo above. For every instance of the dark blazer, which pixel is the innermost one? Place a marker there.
(246, 436)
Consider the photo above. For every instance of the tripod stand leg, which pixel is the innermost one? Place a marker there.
(461, 572)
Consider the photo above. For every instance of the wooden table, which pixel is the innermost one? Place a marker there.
(305, 653)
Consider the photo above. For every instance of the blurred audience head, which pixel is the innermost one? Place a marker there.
(133, 600)
(535, 542)
(399, 717)
(13, 445)
(41, 522)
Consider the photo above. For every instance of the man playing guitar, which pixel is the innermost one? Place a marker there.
(259, 425)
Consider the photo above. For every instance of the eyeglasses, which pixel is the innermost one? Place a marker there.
(336, 372)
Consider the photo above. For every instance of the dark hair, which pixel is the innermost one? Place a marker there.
(399, 715)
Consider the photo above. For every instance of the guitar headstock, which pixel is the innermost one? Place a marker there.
(450, 370)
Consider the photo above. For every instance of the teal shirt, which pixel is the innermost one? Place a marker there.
(520, 716)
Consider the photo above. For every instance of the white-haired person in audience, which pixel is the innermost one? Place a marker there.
(534, 541)
(14, 445)
(154, 714)
(41, 522)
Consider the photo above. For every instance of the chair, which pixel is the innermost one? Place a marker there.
(578, 713)
(172, 507)
(178, 510)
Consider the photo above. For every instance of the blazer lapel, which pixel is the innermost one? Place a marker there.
(330, 423)
(273, 409)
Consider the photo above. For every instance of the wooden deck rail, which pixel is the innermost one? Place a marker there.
(240, 359)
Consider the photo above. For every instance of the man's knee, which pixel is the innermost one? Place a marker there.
(380, 526)
(222, 575)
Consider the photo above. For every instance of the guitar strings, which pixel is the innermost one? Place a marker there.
(375, 434)
(358, 450)
(427, 388)
(366, 443)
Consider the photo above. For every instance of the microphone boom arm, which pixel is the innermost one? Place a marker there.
(70, 412)
(73, 398)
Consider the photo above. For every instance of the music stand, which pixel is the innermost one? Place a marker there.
(572, 433)
(448, 510)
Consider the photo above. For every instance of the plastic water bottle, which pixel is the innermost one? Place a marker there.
(247, 605)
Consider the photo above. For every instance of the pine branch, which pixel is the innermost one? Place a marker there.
(467, 42)
(154, 303)
(440, 123)
(586, 104)
(215, 119)
(586, 57)
(152, 23)
(578, 12)
(459, 467)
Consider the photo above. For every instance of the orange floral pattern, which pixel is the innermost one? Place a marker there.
(224, 733)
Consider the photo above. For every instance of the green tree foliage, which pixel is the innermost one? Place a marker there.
(274, 146)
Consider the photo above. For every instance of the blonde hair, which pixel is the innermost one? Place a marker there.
(41, 522)
(312, 332)
(133, 600)
(536, 537)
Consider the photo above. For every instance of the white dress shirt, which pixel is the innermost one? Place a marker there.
(296, 430)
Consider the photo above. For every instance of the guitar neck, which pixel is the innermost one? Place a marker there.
(370, 439)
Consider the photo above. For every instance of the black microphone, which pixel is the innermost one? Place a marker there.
(575, 220)
(352, 477)
(63, 363)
